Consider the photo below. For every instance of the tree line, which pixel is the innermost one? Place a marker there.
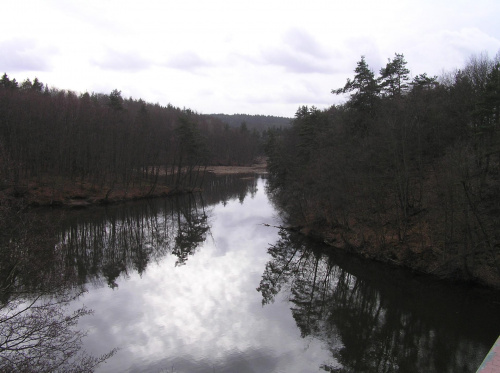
(105, 139)
(254, 122)
(406, 170)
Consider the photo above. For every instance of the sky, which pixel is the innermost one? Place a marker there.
(251, 57)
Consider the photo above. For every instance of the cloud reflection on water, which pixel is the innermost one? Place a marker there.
(207, 314)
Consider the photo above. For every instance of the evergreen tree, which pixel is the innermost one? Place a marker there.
(423, 81)
(364, 86)
(394, 76)
(116, 100)
(490, 103)
(5, 82)
(307, 124)
(37, 85)
(26, 85)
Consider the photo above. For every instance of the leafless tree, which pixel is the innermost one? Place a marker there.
(39, 335)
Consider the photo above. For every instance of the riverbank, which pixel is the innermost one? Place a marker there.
(258, 167)
(427, 260)
(80, 195)
(64, 193)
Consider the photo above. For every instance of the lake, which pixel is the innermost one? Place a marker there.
(208, 283)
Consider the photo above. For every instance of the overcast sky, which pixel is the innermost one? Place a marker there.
(253, 57)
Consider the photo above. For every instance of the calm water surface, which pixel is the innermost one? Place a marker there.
(201, 284)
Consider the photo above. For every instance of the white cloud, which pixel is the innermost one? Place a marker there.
(295, 62)
(303, 42)
(177, 51)
(121, 61)
(187, 61)
(23, 54)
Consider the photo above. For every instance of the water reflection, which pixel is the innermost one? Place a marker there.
(38, 332)
(206, 315)
(124, 238)
(128, 238)
(222, 189)
(377, 319)
(172, 283)
(48, 257)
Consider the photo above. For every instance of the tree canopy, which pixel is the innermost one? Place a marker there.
(406, 170)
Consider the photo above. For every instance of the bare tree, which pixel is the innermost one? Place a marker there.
(39, 335)
(38, 332)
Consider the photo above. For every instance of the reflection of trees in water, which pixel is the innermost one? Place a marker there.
(192, 229)
(130, 237)
(221, 189)
(37, 332)
(371, 323)
(43, 269)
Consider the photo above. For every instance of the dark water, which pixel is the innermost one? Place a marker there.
(199, 283)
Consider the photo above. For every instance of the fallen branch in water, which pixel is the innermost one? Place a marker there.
(292, 229)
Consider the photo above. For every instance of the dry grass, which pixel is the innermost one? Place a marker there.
(259, 167)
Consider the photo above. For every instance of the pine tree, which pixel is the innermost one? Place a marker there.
(5, 82)
(364, 86)
(116, 100)
(394, 76)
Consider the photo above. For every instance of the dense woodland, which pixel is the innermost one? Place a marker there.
(406, 171)
(49, 136)
(254, 122)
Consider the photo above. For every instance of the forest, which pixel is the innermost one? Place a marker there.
(258, 122)
(55, 141)
(406, 171)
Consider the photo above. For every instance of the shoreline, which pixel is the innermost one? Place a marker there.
(82, 196)
(77, 195)
(409, 259)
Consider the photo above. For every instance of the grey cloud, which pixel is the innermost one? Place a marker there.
(300, 53)
(468, 41)
(306, 98)
(92, 16)
(258, 98)
(24, 55)
(125, 61)
(302, 42)
(296, 62)
(366, 46)
(299, 94)
(187, 61)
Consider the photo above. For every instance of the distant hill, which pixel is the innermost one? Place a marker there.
(258, 122)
